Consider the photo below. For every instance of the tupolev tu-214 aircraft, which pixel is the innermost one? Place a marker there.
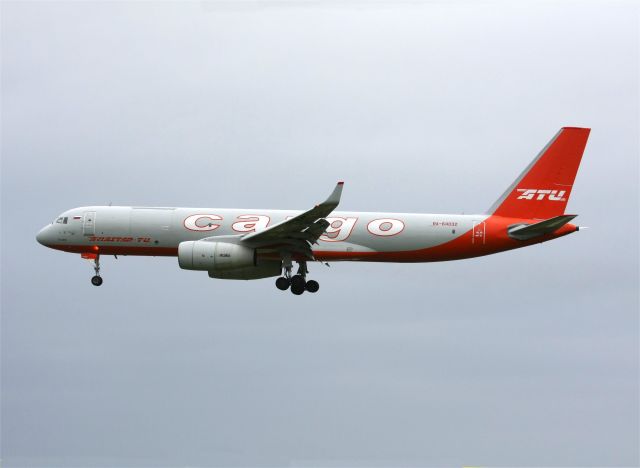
(253, 244)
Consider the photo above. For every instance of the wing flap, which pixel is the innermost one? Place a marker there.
(314, 231)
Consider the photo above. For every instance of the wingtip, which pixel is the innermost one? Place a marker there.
(335, 195)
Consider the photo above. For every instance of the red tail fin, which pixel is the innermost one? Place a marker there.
(543, 189)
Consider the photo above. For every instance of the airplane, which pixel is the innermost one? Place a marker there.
(247, 244)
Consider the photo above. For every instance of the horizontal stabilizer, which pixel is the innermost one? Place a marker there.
(529, 231)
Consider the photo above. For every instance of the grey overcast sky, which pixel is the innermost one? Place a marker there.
(526, 358)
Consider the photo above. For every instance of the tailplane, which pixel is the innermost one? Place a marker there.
(543, 189)
(548, 226)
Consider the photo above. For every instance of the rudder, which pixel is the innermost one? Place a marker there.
(543, 189)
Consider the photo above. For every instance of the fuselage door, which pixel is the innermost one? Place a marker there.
(89, 223)
(479, 234)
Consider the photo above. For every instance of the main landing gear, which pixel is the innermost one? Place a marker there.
(298, 282)
(97, 279)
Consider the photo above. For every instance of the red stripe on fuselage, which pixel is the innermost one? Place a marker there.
(119, 250)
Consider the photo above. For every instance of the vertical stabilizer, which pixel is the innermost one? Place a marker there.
(543, 189)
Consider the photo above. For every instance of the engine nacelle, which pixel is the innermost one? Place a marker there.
(215, 256)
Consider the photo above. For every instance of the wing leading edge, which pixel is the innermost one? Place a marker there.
(299, 233)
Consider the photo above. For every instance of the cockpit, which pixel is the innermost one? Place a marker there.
(66, 224)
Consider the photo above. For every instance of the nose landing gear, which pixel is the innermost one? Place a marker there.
(97, 279)
(298, 283)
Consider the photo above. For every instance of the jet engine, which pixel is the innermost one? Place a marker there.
(225, 260)
(214, 256)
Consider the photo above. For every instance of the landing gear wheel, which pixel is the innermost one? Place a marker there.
(283, 283)
(312, 286)
(96, 280)
(297, 285)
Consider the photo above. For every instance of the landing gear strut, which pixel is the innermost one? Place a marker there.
(298, 282)
(97, 279)
(284, 281)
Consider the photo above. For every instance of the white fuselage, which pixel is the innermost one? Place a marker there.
(158, 231)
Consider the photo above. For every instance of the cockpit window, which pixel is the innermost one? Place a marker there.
(62, 220)
(59, 220)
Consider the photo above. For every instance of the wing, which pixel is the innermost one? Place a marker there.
(299, 233)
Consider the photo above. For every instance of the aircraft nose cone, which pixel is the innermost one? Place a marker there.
(42, 236)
